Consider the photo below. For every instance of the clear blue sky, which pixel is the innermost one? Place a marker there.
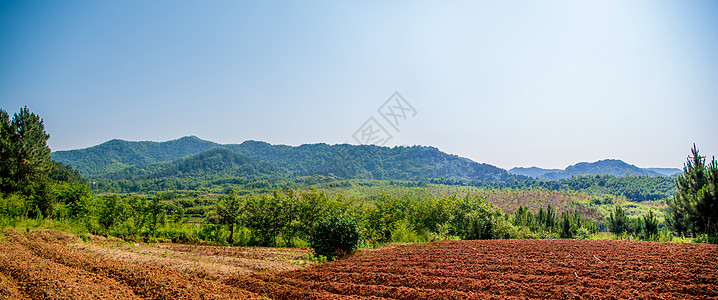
(510, 83)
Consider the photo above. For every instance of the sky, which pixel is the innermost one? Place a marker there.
(509, 83)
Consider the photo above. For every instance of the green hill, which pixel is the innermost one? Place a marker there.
(116, 154)
(112, 160)
(207, 165)
(370, 161)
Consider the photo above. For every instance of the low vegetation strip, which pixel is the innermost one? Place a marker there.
(517, 269)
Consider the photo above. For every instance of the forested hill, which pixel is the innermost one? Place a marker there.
(613, 167)
(340, 161)
(371, 162)
(116, 154)
(207, 165)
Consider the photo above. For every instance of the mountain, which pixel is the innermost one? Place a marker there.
(210, 164)
(370, 161)
(534, 172)
(666, 171)
(116, 154)
(119, 159)
(613, 167)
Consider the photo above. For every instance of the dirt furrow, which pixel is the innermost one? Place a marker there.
(39, 278)
(146, 282)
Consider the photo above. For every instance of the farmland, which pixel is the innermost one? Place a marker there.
(50, 264)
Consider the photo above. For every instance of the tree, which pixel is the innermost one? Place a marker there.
(650, 225)
(618, 221)
(229, 209)
(156, 213)
(335, 236)
(694, 209)
(25, 160)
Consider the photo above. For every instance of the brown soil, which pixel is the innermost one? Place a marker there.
(40, 265)
(509, 269)
(53, 265)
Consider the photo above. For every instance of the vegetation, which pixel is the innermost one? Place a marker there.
(694, 209)
(25, 161)
(264, 195)
(336, 236)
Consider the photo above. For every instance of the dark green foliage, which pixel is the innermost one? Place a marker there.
(570, 225)
(335, 237)
(65, 173)
(25, 158)
(76, 196)
(694, 209)
(546, 219)
(618, 221)
(650, 226)
(111, 212)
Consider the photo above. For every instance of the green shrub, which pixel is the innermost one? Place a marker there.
(404, 232)
(335, 237)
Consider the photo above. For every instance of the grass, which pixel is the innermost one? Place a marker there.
(27, 224)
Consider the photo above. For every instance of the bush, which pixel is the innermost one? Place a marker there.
(404, 232)
(335, 237)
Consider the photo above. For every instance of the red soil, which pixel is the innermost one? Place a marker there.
(41, 265)
(513, 269)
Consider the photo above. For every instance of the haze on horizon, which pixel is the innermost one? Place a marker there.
(513, 83)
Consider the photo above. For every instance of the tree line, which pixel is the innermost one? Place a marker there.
(33, 186)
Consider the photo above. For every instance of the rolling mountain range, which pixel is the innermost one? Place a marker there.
(193, 157)
(613, 167)
(117, 159)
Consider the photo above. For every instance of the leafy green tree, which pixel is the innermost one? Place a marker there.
(157, 215)
(111, 212)
(25, 157)
(230, 208)
(335, 236)
(694, 209)
(77, 196)
(265, 216)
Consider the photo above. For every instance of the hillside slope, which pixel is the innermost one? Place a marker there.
(210, 164)
(117, 154)
(115, 158)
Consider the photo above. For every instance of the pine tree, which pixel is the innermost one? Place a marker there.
(25, 161)
(618, 221)
(694, 209)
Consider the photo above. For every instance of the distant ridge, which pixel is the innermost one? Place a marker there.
(613, 167)
(120, 159)
(125, 160)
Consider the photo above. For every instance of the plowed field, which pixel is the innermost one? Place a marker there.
(54, 265)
